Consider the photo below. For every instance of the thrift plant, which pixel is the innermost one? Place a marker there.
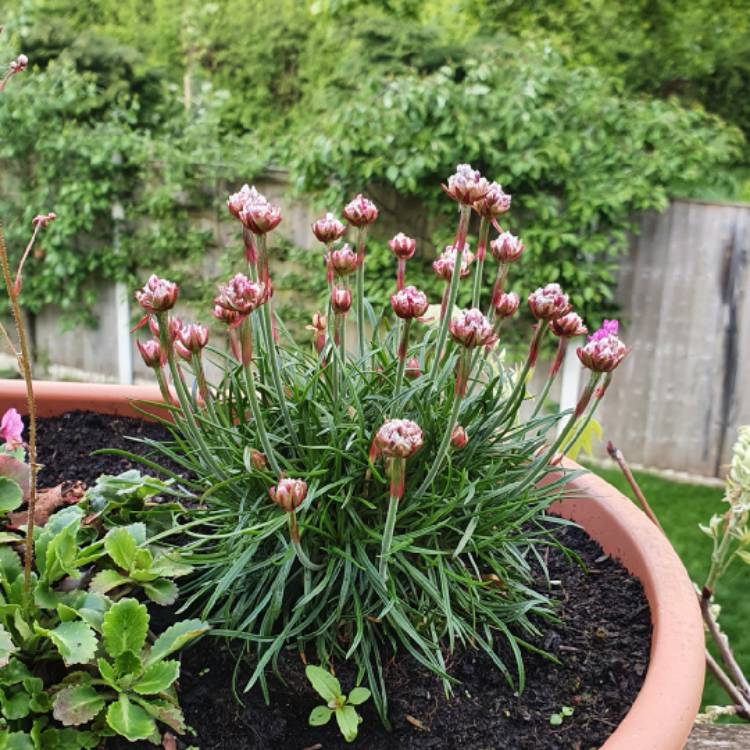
(377, 491)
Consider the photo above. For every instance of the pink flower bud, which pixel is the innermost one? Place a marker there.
(231, 317)
(459, 438)
(402, 247)
(506, 248)
(494, 202)
(19, 64)
(549, 302)
(568, 326)
(289, 494)
(319, 326)
(258, 461)
(603, 352)
(260, 217)
(11, 429)
(344, 260)
(360, 212)
(399, 438)
(43, 220)
(470, 329)
(341, 300)
(242, 295)
(174, 327)
(151, 353)
(328, 229)
(194, 337)
(157, 295)
(507, 305)
(412, 368)
(409, 303)
(183, 351)
(443, 265)
(236, 202)
(467, 185)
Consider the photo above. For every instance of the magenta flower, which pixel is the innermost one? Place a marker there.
(341, 300)
(151, 353)
(11, 428)
(344, 261)
(466, 185)
(242, 295)
(158, 295)
(289, 494)
(402, 247)
(604, 350)
(444, 264)
(506, 248)
(328, 229)
(494, 202)
(609, 328)
(549, 302)
(194, 337)
(470, 328)
(507, 305)
(399, 438)
(409, 303)
(459, 438)
(360, 212)
(568, 326)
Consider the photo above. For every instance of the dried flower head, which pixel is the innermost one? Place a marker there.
(158, 295)
(11, 429)
(344, 261)
(328, 229)
(360, 212)
(549, 302)
(470, 328)
(151, 352)
(43, 220)
(319, 325)
(194, 337)
(341, 299)
(459, 438)
(466, 185)
(444, 264)
(568, 326)
(495, 202)
(241, 295)
(603, 351)
(289, 494)
(258, 460)
(409, 303)
(402, 247)
(506, 248)
(399, 438)
(507, 305)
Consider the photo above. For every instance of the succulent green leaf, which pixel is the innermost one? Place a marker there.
(121, 546)
(15, 471)
(15, 705)
(174, 638)
(107, 672)
(358, 695)
(319, 716)
(8, 537)
(125, 627)
(127, 666)
(10, 564)
(165, 711)
(11, 495)
(348, 720)
(106, 580)
(170, 567)
(162, 591)
(157, 677)
(323, 682)
(130, 721)
(7, 647)
(77, 704)
(17, 741)
(76, 642)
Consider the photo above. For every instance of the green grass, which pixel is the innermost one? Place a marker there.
(680, 508)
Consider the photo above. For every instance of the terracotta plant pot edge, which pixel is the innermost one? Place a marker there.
(662, 715)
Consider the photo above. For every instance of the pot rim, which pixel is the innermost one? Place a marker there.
(662, 715)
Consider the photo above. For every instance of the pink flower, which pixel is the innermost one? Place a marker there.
(19, 64)
(151, 352)
(231, 317)
(11, 428)
(43, 220)
(549, 302)
(194, 337)
(174, 326)
(494, 202)
(609, 328)
(467, 185)
(412, 368)
(344, 260)
(319, 325)
(443, 265)
(289, 494)
(360, 212)
(328, 229)
(506, 248)
(157, 295)
(459, 438)
(603, 352)
(399, 438)
(242, 295)
(507, 305)
(470, 329)
(402, 247)
(568, 326)
(341, 300)
(409, 303)
(260, 217)
(236, 201)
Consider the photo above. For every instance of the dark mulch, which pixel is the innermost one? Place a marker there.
(603, 644)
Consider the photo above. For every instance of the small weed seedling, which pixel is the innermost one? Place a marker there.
(329, 689)
(556, 719)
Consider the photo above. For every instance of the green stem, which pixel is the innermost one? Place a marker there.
(484, 231)
(403, 348)
(554, 369)
(294, 535)
(397, 471)
(361, 235)
(594, 403)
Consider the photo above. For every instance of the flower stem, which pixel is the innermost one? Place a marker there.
(398, 476)
(361, 236)
(553, 370)
(484, 231)
(403, 347)
(294, 535)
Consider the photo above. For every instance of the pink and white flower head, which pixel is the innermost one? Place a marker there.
(231, 317)
(328, 229)
(246, 194)
(568, 326)
(360, 212)
(549, 302)
(242, 295)
(341, 300)
(194, 337)
(402, 247)
(466, 185)
(506, 248)
(289, 494)
(413, 370)
(151, 353)
(19, 64)
(399, 438)
(11, 429)
(604, 350)
(443, 265)
(158, 295)
(507, 305)
(344, 261)
(260, 216)
(43, 220)
(495, 202)
(470, 328)
(174, 325)
(409, 303)
(459, 438)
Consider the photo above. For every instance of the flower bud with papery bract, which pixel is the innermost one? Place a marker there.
(258, 460)
(402, 247)
(443, 265)
(466, 185)
(341, 300)
(603, 351)
(231, 317)
(344, 260)
(328, 229)
(19, 64)
(157, 295)
(506, 248)
(43, 220)
(413, 369)
(260, 217)
(194, 337)
(549, 302)
(459, 438)
(495, 202)
(409, 303)
(568, 326)
(360, 212)
(242, 295)
(507, 305)
(289, 494)
(470, 328)
(399, 438)
(151, 353)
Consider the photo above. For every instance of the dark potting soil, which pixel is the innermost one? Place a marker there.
(602, 644)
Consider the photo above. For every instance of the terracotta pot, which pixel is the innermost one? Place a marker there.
(662, 716)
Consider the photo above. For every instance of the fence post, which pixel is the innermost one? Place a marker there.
(571, 380)
(122, 309)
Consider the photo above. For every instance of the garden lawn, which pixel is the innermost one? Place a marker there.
(680, 508)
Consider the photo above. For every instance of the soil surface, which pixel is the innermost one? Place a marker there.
(602, 643)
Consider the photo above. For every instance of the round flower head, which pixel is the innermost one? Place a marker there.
(194, 337)
(549, 302)
(494, 202)
(328, 229)
(259, 216)
(466, 185)
(157, 295)
(409, 303)
(443, 266)
(11, 428)
(150, 352)
(246, 194)
(568, 326)
(507, 305)
(341, 300)
(459, 438)
(470, 328)
(402, 246)
(344, 260)
(289, 494)
(603, 351)
(506, 248)
(399, 438)
(231, 317)
(242, 295)
(413, 369)
(360, 212)
(19, 64)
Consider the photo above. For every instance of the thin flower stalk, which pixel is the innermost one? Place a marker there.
(294, 536)
(403, 348)
(397, 473)
(484, 231)
(554, 369)
(360, 282)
